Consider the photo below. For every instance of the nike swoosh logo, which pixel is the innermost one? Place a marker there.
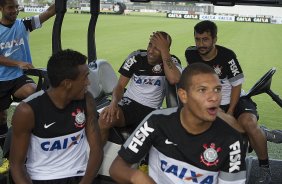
(47, 126)
(246, 109)
(7, 54)
(169, 142)
(142, 70)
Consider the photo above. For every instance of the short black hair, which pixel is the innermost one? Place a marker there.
(166, 35)
(64, 65)
(192, 70)
(2, 3)
(206, 26)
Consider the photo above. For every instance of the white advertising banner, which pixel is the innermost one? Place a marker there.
(35, 9)
(218, 17)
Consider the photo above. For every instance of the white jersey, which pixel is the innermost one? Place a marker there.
(147, 85)
(59, 157)
(58, 145)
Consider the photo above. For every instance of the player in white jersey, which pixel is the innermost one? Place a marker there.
(189, 144)
(55, 134)
(146, 70)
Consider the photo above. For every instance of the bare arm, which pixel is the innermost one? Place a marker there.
(171, 71)
(234, 98)
(119, 89)
(112, 110)
(122, 172)
(10, 62)
(94, 140)
(23, 123)
(47, 14)
(229, 119)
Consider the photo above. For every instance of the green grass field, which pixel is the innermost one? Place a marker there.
(258, 46)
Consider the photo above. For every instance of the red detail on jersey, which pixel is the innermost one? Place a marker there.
(210, 157)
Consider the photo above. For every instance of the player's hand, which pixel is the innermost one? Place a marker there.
(25, 65)
(110, 113)
(160, 42)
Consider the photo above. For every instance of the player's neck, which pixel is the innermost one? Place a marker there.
(211, 55)
(192, 124)
(58, 97)
(6, 22)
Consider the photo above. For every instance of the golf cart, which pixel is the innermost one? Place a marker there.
(103, 79)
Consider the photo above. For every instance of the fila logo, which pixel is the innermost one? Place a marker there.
(139, 137)
(235, 157)
(233, 67)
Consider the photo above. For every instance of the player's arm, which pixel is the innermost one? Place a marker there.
(5, 61)
(47, 14)
(234, 98)
(236, 78)
(122, 172)
(119, 89)
(172, 73)
(94, 141)
(131, 152)
(233, 170)
(112, 110)
(229, 119)
(22, 125)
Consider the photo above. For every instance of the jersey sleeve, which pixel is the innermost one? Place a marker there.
(235, 74)
(234, 169)
(139, 143)
(128, 67)
(31, 23)
(177, 62)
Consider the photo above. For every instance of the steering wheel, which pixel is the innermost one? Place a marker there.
(263, 84)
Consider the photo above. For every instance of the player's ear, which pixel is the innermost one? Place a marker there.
(215, 40)
(182, 94)
(67, 83)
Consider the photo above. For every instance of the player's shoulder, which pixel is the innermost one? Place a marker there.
(162, 115)
(139, 53)
(191, 53)
(225, 51)
(229, 124)
(191, 49)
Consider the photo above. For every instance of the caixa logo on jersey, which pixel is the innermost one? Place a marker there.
(139, 137)
(186, 174)
(235, 157)
(61, 144)
(148, 81)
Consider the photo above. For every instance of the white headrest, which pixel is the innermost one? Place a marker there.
(102, 78)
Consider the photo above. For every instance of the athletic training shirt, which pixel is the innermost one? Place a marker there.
(225, 64)
(147, 85)
(14, 45)
(176, 156)
(58, 146)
